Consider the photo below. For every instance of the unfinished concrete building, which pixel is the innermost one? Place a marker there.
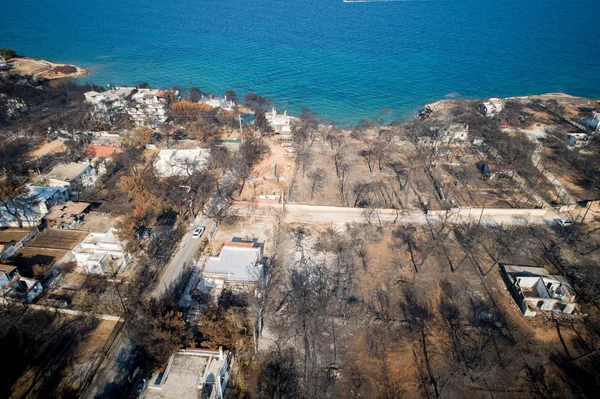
(536, 291)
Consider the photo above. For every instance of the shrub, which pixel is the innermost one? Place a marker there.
(64, 69)
(8, 53)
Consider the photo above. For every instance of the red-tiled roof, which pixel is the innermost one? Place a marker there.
(101, 151)
(495, 168)
(239, 244)
(67, 210)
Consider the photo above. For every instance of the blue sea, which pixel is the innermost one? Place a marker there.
(343, 60)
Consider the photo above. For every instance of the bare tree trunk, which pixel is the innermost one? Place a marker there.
(16, 213)
(428, 362)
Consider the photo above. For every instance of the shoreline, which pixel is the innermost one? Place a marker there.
(45, 70)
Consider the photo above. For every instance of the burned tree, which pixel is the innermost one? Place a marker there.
(316, 179)
(342, 170)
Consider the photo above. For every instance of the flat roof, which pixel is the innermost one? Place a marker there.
(185, 375)
(237, 262)
(67, 172)
(43, 193)
(108, 237)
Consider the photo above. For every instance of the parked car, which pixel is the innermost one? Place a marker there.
(564, 222)
(198, 232)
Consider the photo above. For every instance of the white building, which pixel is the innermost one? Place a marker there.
(455, 133)
(110, 103)
(578, 139)
(31, 207)
(17, 287)
(71, 175)
(149, 106)
(180, 162)
(536, 291)
(93, 97)
(492, 107)
(191, 374)
(4, 66)
(100, 253)
(593, 123)
(217, 102)
(238, 265)
(280, 123)
(452, 135)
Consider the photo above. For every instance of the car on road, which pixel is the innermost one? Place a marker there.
(198, 232)
(564, 222)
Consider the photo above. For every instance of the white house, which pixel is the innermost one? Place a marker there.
(15, 286)
(191, 373)
(536, 291)
(578, 139)
(180, 162)
(4, 66)
(109, 103)
(115, 97)
(492, 107)
(72, 174)
(30, 208)
(240, 264)
(452, 135)
(100, 253)
(93, 97)
(593, 123)
(455, 133)
(280, 123)
(217, 102)
(149, 106)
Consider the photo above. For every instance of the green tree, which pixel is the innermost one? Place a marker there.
(8, 53)
(256, 102)
(231, 95)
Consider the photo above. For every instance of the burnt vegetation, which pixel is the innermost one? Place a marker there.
(377, 309)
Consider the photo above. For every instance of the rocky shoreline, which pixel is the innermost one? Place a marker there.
(43, 69)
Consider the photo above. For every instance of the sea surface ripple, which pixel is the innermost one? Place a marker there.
(344, 60)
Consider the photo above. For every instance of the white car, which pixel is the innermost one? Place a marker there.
(198, 232)
(564, 222)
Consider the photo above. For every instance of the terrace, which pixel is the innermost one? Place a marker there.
(192, 373)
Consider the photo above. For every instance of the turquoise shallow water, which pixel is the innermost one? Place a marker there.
(343, 60)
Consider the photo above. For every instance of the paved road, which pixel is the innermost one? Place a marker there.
(182, 258)
(339, 215)
(119, 363)
(115, 370)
